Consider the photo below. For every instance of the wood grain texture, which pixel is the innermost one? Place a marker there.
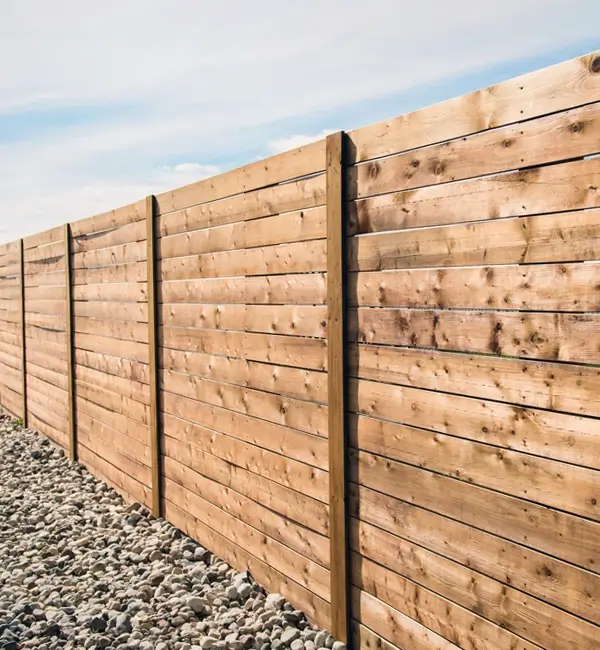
(297, 320)
(290, 165)
(563, 237)
(533, 335)
(558, 137)
(262, 462)
(302, 352)
(573, 83)
(109, 220)
(284, 559)
(287, 381)
(292, 504)
(309, 544)
(528, 570)
(287, 411)
(316, 609)
(284, 199)
(552, 532)
(537, 190)
(288, 442)
(541, 624)
(535, 287)
(562, 387)
(298, 257)
(295, 226)
(294, 289)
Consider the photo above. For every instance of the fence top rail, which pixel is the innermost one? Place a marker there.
(291, 165)
(556, 88)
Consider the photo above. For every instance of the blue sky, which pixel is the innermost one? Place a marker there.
(103, 103)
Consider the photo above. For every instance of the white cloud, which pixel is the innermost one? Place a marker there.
(187, 80)
(201, 171)
(294, 141)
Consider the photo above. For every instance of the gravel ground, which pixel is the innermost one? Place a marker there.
(81, 569)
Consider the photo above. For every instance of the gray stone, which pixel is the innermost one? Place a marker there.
(123, 624)
(289, 634)
(196, 604)
(275, 601)
(97, 623)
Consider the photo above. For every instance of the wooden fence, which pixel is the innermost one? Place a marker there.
(412, 308)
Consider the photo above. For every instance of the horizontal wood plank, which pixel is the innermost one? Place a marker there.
(267, 464)
(300, 225)
(300, 289)
(556, 386)
(307, 543)
(540, 623)
(293, 505)
(537, 287)
(298, 320)
(528, 570)
(282, 558)
(536, 190)
(285, 199)
(563, 237)
(533, 335)
(556, 88)
(559, 534)
(113, 365)
(123, 234)
(269, 348)
(291, 443)
(119, 273)
(127, 311)
(283, 380)
(116, 329)
(117, 292)
(299, 257)
(315, 608)
(290, 165)
(109, 220)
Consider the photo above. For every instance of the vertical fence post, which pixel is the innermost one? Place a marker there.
(336, 386)
(23, 328)
(153, 423)
(70, 345)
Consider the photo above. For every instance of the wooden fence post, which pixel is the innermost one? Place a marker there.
(336, 387)
(153, 424)
(23, 328)
(70, 345)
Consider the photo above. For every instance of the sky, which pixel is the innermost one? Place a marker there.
(102, 103)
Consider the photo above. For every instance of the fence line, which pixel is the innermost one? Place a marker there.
(365, 370)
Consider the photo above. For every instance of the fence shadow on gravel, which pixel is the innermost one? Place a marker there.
(367, 370)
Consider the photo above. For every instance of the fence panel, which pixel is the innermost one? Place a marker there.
(45, 334)
(110, 328)
(242, 312)
(11, 363)
(474, 292)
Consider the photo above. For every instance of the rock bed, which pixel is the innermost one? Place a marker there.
(81, 569)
